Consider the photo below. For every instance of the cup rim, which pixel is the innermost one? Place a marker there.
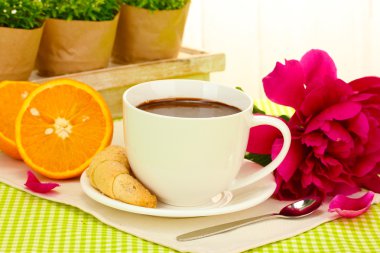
(137, 86)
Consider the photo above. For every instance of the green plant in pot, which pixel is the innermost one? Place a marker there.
(78, 36)
(149, 30)
(21, 24)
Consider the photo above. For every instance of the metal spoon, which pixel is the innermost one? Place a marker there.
(295, 210)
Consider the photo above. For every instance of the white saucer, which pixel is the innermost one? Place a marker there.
(226, 202)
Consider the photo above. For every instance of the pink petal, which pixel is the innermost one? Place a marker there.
(292, 160)
(351, 207)
(307, 168)
(341, 111)
(261, 139)
(336, 132)
(341, 150)
(317, 141)
(333, 167)
(285, 84)
(371, 182)
(373, 145)
(35, 185)
(318, 67)
(288, 190)
(322, 184)
(362, 97)
(325, 95)
(365, 83)
(345, 188)
(359, 125)
(365, 165)
(341, 144)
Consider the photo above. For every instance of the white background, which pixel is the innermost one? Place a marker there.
(254, 34)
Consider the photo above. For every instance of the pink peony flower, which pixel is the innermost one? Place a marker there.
(335, 129)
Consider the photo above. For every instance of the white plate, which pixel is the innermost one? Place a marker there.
(226, 202)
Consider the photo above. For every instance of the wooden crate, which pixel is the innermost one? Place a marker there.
(112, 81)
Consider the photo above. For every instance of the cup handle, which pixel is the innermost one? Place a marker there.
(258, 120)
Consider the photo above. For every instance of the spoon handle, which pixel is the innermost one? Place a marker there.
(204, 232)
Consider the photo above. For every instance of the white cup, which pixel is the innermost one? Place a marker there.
(187, 161)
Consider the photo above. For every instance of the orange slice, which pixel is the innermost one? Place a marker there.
(12, 95)
(61, 126)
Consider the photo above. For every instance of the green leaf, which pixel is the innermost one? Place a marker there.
(257, 110)
(261, 159)
(285, 117)
(23, 14)
(154, 5)
(90, 10)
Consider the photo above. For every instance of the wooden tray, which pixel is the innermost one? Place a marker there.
(112, 81)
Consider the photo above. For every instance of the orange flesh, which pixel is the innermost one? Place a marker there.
(61, 127)
(12, 95)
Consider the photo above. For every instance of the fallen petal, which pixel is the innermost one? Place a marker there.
(351, 207)
(35, 185)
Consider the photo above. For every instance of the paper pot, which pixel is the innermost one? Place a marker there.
(144, 35)
(18, 51)
(75, 46)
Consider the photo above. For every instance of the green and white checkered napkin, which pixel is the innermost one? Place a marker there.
(32, 224)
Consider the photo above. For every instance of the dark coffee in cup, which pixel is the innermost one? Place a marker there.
(188, 107)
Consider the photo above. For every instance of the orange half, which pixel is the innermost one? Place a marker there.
(61, 126)
(12, 95)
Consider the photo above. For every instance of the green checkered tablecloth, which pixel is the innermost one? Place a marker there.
(32, 224)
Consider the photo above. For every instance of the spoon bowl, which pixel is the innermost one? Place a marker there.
(298, 209)
(301, 208)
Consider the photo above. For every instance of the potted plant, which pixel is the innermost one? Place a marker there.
(78, 35)
(21, 24)
(149, 30)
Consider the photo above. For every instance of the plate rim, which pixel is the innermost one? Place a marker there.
(99, 197)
